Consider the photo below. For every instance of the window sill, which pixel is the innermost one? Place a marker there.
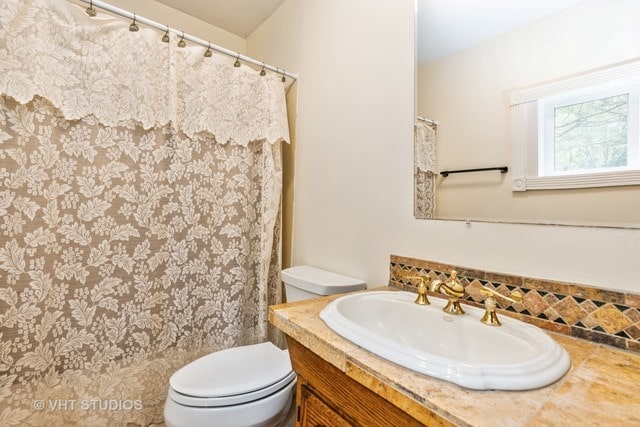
(591, 180)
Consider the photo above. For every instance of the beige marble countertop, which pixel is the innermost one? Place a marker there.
(601, 389)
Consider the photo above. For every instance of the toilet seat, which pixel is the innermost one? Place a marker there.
(232, 376)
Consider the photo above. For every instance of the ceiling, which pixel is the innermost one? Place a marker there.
(444, 26)
(239, 17)
(448, 26)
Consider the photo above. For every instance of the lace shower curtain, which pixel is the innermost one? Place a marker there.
(424, 170)
(139, 202)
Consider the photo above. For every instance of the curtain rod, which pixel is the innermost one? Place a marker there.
(148, 22)
(428, 121)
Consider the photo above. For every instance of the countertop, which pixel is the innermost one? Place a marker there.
(601, 389)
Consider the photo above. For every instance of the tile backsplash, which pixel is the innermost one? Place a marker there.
(598, 315)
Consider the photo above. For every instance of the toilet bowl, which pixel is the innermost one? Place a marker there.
(251, 385)
(242, 386)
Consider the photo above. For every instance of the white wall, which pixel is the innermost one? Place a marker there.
(355, 103)
(353, 202)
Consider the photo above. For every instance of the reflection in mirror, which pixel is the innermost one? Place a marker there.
(471, 57)
(424, 167)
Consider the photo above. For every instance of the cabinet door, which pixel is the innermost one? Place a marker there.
(315, 413)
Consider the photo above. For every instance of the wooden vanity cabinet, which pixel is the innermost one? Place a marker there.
(327, 397)
(314, 412)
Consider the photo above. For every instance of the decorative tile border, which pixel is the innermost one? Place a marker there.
(590, 313)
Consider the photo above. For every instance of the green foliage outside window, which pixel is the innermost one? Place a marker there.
(591, 135)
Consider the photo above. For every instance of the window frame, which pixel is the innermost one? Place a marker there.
(528, 106)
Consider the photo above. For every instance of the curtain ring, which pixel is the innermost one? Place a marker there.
(263, 72)
(237, 63)
(134, 27)
(208, 53)
(90, 10)
(182, 43)
(165, 38)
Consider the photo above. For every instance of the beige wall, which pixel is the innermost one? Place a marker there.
(355, 103)
(465, 93)
(288, 177)
(166, 15)
(353, 200)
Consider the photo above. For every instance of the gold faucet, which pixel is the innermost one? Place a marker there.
(423, 287)
(453, 289)
(490, 317)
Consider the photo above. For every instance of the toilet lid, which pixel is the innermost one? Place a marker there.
(233, 371)
(287, 382)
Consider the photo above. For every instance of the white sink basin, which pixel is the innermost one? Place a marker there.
(460, 349)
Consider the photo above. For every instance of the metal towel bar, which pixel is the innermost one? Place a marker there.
(502, 169)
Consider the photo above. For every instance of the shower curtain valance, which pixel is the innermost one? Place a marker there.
(97, 67)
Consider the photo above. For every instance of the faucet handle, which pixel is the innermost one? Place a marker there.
(515, 296)
(490, 317)
(423, 288)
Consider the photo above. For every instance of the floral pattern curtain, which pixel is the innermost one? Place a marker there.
(139, 213)
(424, 170)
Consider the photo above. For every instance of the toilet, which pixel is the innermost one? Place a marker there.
(252, 385)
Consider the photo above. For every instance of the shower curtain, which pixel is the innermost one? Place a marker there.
(139, 213)
(424, 170)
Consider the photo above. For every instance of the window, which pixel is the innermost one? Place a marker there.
(578, 132)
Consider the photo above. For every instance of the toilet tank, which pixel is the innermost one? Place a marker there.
(306, 282)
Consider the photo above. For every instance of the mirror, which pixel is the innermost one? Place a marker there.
(471, 56)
